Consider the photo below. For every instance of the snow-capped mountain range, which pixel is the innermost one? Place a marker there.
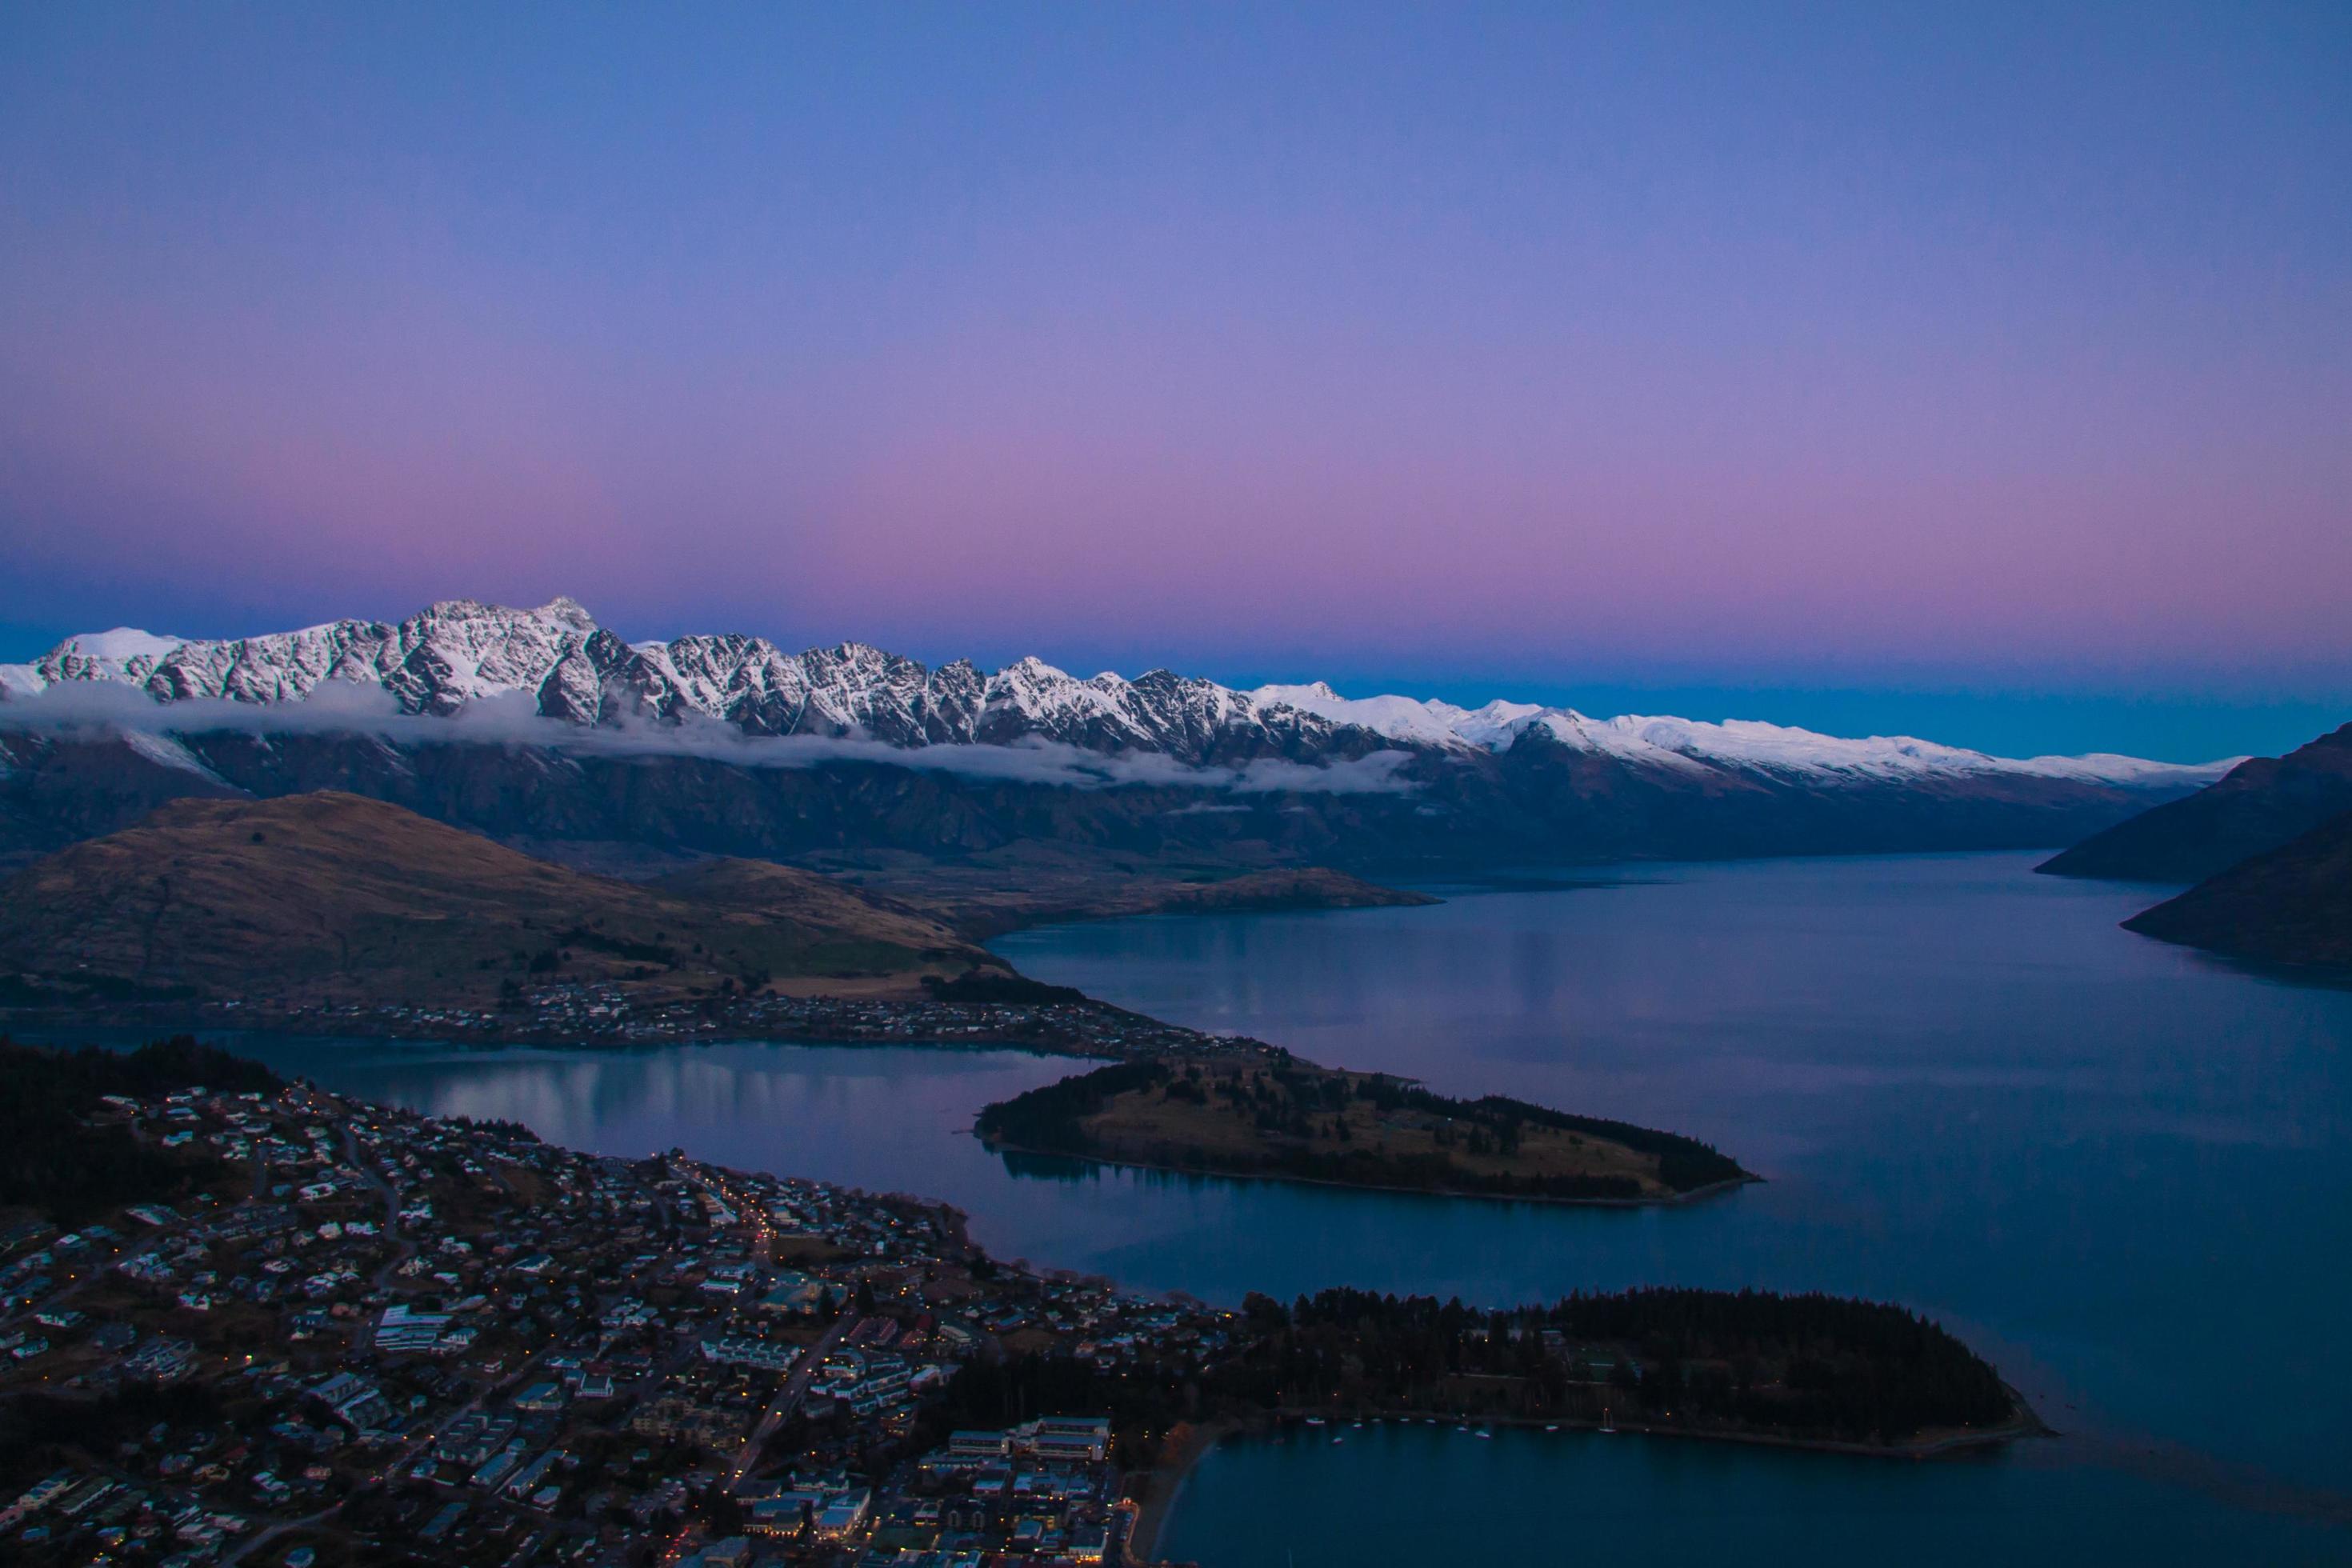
(573, 670)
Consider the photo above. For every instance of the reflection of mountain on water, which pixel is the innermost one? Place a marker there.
(1070, 1170)
(1049, 1167)
(1921, 1051)
(884, 1118)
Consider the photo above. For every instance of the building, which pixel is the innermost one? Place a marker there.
(403, 1331)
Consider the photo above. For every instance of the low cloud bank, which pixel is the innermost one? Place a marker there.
(93, 709)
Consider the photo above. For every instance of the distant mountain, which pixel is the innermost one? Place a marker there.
(333, 897)
(570, 668)
(540, 727)
(2259, 805)
(461, 652)
(2288, 905)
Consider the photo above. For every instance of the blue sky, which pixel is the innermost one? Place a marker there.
(1979, 373)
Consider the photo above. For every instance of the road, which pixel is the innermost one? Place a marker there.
(787, 1398)
(261, 1538)
(403, 1246)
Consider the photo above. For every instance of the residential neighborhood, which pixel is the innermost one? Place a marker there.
(384, 1337)
(573, 1012)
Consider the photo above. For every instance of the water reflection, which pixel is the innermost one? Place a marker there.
(2119, 1170)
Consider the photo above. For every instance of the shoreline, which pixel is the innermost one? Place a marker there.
(21, 1021)
(1668, 1200)
(27, 1024)
(1188, 1443)
(1169, 1478)
(1166, 1483)
(18, 1027)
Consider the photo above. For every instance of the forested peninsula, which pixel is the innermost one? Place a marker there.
(1274, 1115)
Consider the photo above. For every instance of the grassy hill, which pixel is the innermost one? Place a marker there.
(333, 897)
(986, 897)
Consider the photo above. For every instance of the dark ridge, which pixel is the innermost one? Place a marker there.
(2259, 805)
(1806, 1367)
(55, 1157)
(1001, 987)
(2290, 906)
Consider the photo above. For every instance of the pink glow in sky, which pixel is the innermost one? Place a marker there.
(1988, 350)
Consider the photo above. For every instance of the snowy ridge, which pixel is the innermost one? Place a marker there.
(1745, 745)
(462, 651)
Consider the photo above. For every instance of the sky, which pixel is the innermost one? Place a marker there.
(1983, 373)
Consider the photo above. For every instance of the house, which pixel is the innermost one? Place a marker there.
(978, 1446)
(402, 1330)
(542, 1397)
(355, 1402)
(795, 1295)
(767, 1356)
(1072, 1439)
(830, 1513)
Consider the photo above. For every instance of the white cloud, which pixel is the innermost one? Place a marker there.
(99, 707)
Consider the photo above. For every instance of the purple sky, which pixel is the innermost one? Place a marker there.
(1820, 363)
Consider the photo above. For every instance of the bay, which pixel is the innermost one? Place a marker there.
(2119, 1168)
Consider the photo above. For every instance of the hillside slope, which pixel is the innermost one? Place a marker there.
(2292, 905)
(330, 896)
(2259, 805)
(1538, 801)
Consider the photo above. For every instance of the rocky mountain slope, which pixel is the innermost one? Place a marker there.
(335, 896)
(2260, 805)
(2288, 905)
(540, 727)
(570, 668)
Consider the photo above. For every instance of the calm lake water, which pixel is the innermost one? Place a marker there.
(2122, 1172)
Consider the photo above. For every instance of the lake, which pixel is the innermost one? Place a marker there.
(2121, 1171)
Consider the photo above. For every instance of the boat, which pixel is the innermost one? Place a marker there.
(1315, 1421)
(1606, 1424)
(1553, 1428)
(1484, 1433)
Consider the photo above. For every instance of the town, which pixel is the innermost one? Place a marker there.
(598, 1014)
(386, 1336)
(247, 1321)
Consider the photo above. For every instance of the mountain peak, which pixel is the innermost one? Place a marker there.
(567, 609)
(462, 650)
(120, 643)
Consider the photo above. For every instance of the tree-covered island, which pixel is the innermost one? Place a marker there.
(1275, 1115)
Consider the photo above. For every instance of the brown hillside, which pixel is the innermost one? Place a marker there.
(332, 896)
(763, 888)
